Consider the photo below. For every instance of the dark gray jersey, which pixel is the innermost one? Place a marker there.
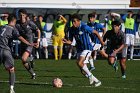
(7, 34)
(115, 40)
(26, 30)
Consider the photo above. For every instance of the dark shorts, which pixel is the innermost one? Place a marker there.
(118, 55)
(26, 49)
(6, 58)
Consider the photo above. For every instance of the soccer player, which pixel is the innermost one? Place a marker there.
(26, 29)
(7, 33)
(58, 34)
(95, 41)
(115, 47)
(80, 31)
(129, 23)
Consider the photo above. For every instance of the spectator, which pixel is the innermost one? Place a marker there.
(129, 23)
(58, 34)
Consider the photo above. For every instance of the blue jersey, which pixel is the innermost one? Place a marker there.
(81, 35)
(98, 27)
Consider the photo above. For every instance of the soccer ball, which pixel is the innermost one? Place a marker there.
(57, 82)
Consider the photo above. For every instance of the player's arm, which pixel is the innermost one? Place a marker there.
(35, 28)
(124, 17)
(122, 43)
(24, 41)
(64, 19)
(116, 15)
(38, 40)
(104, 31)
(97, 34)
(120, 48)
(17, 35)
(67, 41)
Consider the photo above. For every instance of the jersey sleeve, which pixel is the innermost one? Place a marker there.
(15, 33)
(100, 26)
(88, 29)
(123, 38)
(124, 17)
(33, 26)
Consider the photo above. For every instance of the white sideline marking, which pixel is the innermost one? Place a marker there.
(111, 87)
(70, 85)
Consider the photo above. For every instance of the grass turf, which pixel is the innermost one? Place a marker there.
(74, 81)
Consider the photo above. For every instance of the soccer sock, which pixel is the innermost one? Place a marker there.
(126, 51)
(46, 53)
(69, 55)
(86, 70)
(56, 53)
(95, 79)
(12, 87)
(11, 79)
(29, 69)
(91, 62)
(131, 52)
(60, 52)
(95, 55)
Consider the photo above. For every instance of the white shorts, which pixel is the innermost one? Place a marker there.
(86, 54)
(44, 42)
(73, 42)
(96, 46)
(130, 39)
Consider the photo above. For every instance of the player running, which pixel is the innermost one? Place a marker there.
(26, 29)
(115, 46)
(7, 34)
(80, 31)
(95, 41)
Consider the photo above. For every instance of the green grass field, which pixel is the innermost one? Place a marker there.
(74, 81)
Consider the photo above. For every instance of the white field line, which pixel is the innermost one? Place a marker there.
(71, 85)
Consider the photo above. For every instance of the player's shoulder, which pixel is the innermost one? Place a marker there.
(121, 32)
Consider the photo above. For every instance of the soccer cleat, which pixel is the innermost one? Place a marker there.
(97, 84)
(92, 68)
(91, 79)
(12, 91)
(115, 65)
(33, 76)
(123, 76)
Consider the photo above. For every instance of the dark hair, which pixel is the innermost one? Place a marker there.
(117, 23)
(11, 17)
(91, 15)
(40, 16)
(22, 11)
(76, 16)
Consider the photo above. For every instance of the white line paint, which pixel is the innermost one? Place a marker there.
(71, 85)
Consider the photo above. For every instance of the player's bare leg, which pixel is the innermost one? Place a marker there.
(27, 65)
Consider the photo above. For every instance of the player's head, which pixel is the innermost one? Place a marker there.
(116, 26)
(12, 19)
(130, 13)
(91, 17)
(22, 14)
(76, 19)
(40, 18)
